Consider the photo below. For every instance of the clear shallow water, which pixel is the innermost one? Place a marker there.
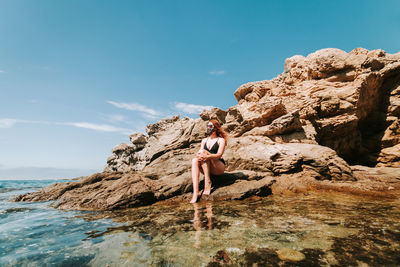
(328, 229)
(33, 234)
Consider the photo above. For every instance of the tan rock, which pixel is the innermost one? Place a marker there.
(283, 125)
(394, 106)
(233, 119)
(373, 63)
(168, 136)
(258, 114)
(324, 62)
(377, 53)
(256, 89)
(288, 254)
(215, 113)
(138, 139)
(359, 51)
(390, 70)
(390, 156)
(121, 147)
(391, 136)
(165, 135)
(98, 192)
(199, 131)
(293, 61)
(254, 164)
(340, 94)
(257, 153)
(126, 157)
(339, 133)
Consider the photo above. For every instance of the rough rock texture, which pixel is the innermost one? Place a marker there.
(163, 136)
(260, 163)
(263, 168)
(294, 133)
(347, 100)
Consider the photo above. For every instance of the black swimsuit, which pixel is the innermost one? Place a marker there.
(214, 150)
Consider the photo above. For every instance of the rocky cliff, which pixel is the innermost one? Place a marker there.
(329, 121)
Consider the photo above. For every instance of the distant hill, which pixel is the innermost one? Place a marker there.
(42, 173)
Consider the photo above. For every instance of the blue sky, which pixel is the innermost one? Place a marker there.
(76, 77)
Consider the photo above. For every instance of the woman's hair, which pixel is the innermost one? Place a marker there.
(219, 131)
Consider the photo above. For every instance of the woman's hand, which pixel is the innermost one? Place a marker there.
(202, 156)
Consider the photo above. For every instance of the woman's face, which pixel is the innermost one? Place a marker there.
(210, 128)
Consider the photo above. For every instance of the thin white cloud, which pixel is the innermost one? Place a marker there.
(136, 107)
(97, 127)
(117, 118)
(2, 71)
(149, 116)
(7, 123)
(191, 108)
(217, 72)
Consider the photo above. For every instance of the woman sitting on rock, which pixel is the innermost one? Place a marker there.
(209, 159)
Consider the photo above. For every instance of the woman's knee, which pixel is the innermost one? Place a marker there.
(195, 161)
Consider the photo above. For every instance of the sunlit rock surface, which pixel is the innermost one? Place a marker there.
(349, 102)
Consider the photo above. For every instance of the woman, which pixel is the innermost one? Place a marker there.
(208, 159)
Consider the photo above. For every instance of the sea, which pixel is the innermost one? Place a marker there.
(326, 229)
(35, 234)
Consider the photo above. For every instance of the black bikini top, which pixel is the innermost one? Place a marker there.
(214, 148)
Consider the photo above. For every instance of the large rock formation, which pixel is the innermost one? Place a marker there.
(163, 136)
(298, 131)
(349, 102)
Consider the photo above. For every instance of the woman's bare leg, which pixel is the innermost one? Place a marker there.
(195, 179)
(207, 180)
(209, 215)
(197, 225)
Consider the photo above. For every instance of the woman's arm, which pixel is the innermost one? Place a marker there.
(201, 150)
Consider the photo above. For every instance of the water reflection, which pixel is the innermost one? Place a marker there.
(324, 229)
(197, 220)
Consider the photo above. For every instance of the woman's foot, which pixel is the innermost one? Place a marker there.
(194, 198)
(207, 191)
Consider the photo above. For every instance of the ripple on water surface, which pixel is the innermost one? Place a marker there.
(306, 230)
(313, 230)
(34, 234)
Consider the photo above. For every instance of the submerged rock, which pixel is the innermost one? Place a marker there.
(287, 254)
(294, 133)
